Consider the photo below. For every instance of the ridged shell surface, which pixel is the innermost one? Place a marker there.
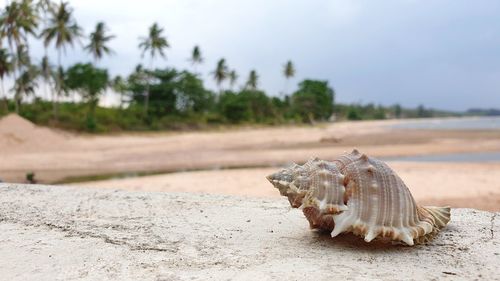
(359, 194)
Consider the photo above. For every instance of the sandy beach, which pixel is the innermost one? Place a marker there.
(251, 153)
(469, 185)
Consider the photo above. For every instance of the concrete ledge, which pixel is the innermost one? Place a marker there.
(49, 233)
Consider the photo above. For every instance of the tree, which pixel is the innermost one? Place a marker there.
(246, 106)
(25, 85)
(6, 67)
(233, 77)
(46, 8)
(162, 86)
(252, 81)
(220, 73)
(288, 72)
(422, 111)
(191, 96)
(98, 42)
(46, 70)
(29, 19)
(120, 86)
(63, 30)
(313, 100)
(397, 111)
(59, 78)
(233, 107)
(17, 21)
(196, 58)
(90, 82)
(154, 43)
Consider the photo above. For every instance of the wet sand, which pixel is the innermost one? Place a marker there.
(83, 155)
(465, 185)
(62, 157)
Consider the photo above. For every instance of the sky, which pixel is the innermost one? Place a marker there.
(443, 54)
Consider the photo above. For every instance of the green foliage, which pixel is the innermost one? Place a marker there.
(89, 82)
(313, 100)
(98, 42)
(253, 80)
(191, 95)
(221, 72)
(247, 106)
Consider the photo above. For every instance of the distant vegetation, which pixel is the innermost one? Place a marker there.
(150, 98)
(483, 112)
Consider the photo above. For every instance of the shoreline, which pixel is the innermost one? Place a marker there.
(464, 185)
(226, 161)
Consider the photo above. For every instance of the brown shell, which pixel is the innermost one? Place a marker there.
(359, 194)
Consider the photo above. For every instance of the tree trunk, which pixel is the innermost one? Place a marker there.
(55, 100)
(146, 98)
(286, 88)
(15, 75)
(4, 99)
(91, 124)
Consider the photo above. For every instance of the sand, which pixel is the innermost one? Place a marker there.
(55, 157)
(460, 185)
(58, 233)
(18, 135)
(85, 155)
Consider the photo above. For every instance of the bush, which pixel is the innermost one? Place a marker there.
(314, 99)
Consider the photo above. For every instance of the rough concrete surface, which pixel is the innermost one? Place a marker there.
(60, 233)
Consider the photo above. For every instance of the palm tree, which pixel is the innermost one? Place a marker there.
(119, 85)
(25, 85)
(45, 7)
(220, 73)
(11, 26)
(288, 72)
(98, 40)
(252, 80)
(22, 59)
(63, 30)
(29, 19)
(196, 58)
(154, 43)
(17, 21)
(59, 78)
(6, 67)
(233, 77)
(46, 70)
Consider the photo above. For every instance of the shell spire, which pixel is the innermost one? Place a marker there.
(359, 194)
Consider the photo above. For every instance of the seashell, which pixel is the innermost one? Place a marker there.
(359, 194)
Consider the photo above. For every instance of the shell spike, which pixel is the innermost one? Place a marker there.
(364, 157)
(370, 236)
(342, 223)
(405, 237)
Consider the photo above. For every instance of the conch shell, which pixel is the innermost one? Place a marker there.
(359, 194)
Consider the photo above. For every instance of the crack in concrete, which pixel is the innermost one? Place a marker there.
(492, 230)
(84, 234)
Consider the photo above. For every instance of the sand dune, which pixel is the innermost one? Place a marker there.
(18, 134)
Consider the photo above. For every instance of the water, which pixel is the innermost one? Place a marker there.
(455, 157)
(465, 123)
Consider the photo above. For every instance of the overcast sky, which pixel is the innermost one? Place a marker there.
(443, 54)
